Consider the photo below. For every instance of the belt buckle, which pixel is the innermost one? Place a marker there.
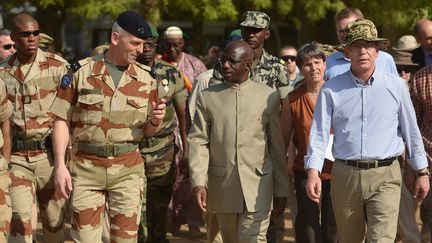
(114, 150)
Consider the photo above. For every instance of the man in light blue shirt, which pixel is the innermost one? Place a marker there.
(371, 116)
(338, 63)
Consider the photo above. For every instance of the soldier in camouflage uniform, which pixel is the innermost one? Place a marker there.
(32, 78)
(107, 103)
(159, 151)
(5, 181)
(266, 68)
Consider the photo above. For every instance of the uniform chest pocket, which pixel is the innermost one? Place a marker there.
(137, 109)
(91, 105)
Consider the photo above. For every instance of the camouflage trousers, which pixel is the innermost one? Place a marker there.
(30, 180)
(160, 173)
(118, 181)
(5, 202)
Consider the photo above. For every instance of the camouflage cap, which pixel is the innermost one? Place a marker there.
(46, 42)
(255, 19)
(364, 29)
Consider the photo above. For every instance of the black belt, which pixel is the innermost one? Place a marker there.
(33, 145)
(368, 164)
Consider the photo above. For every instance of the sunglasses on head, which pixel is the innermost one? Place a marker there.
(28, 33)
(288, 57)
(8, 46)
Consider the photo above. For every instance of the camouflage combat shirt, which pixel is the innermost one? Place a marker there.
(171, 86)
(5, 113)
(98, 111)
(32, 95)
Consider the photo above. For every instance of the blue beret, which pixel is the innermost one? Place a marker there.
(134, 24)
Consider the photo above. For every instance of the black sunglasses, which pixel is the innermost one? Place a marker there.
(406, 69)
(288, 57)
(28, 33)
(8, 46)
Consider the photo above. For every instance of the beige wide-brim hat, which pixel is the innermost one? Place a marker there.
(364, 29)
(403, 59)
(406, 43)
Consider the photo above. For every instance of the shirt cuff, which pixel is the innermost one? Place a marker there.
(418, 162)
(313, 163)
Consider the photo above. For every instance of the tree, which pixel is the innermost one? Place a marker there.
(52, 14)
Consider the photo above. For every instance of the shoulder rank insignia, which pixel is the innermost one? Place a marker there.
(66, 80)
(75, 66)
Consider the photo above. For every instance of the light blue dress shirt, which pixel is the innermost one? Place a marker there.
(369, 121)
(337, 64)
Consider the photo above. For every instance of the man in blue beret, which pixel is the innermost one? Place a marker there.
(107, 103)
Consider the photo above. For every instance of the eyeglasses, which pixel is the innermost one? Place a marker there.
(8, 46)
(288, 57)
(28, 33)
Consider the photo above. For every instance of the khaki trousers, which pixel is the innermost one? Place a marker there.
(30, 180)
(366, 202)
(246, 227)
(120, 185)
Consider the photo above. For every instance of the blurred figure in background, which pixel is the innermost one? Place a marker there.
(7, 46)
(422, 55)
(288, 55)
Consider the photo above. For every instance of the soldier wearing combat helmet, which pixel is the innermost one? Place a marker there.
(107, 103)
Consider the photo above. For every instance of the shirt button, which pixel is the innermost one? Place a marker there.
(365, 119)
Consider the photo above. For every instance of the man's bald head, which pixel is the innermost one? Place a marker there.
(25, 34)
(237, 61)
(21, 20)
(423, 33)
(241, 48)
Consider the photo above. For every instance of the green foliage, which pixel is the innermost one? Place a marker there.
(284, 7)
(91, 9)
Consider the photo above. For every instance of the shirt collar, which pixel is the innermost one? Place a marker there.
(358, 82)
(341, 55)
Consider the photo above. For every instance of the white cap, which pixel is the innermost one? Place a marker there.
(173, 32)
